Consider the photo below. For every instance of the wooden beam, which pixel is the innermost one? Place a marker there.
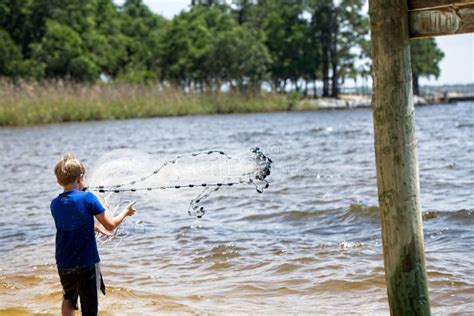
(454, 19)
(427, 4)
(396, 159)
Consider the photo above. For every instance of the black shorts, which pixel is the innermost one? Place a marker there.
(84, 283)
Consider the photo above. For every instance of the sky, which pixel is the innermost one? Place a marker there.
(456, 67)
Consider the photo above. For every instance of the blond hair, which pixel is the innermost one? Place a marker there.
(68, 169)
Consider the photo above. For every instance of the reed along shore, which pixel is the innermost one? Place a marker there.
(33, 103)
(23, 104)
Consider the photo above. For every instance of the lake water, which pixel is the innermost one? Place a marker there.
(310, 244)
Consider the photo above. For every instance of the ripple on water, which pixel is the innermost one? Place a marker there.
(218, 253)
(311, 244)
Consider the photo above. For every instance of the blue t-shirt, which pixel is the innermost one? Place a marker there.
(73, 213)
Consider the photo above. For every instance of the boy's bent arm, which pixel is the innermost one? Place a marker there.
(112, 223)
(98, 227)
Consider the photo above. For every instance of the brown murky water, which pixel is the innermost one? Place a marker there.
(308, 245)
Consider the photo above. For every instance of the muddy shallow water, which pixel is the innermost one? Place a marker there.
(310, 244)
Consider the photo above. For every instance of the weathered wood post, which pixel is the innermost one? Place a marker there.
(396, 159)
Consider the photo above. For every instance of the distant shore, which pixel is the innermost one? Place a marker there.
(364, 101)
(34, 103)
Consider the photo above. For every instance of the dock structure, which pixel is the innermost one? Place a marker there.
(392, 24)
(458, 98)
(444, 18)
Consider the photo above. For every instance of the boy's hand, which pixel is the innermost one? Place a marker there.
(130, 211)
(101, 229)
(112, 223)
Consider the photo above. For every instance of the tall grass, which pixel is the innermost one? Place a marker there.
(28, 103)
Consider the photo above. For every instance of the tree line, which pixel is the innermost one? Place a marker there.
(241, 44)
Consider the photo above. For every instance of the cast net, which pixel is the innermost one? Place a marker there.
(196, 176)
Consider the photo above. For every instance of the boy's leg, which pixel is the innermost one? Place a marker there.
(88, 292)
(70, 282)
(67, 308)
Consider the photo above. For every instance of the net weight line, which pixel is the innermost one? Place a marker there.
(258, 180)
(106, 190)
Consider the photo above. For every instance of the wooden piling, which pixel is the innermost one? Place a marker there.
(396, 159)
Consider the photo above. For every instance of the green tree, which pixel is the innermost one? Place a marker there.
(12, 63)
(364, 70)
(342, 31)
(185, 49)
(39, 25)
(188, 46)
(244, 10)
(99, 38)
(139, 42)
(425, 58)
(61, 51)
(349, 36)
(321, 24)
(105, 42)
(286, 38)
(10, 54)
(25, 21)
(239, 58)
(238, 43)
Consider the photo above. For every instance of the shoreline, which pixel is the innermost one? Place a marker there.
(70, 104)
(358, 101)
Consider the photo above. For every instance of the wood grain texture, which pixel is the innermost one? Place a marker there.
(442, 21)
(396, 159)
(426, 4)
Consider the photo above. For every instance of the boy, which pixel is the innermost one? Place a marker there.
(77, 257)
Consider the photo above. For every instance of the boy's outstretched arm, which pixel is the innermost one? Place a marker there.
(112, 223)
